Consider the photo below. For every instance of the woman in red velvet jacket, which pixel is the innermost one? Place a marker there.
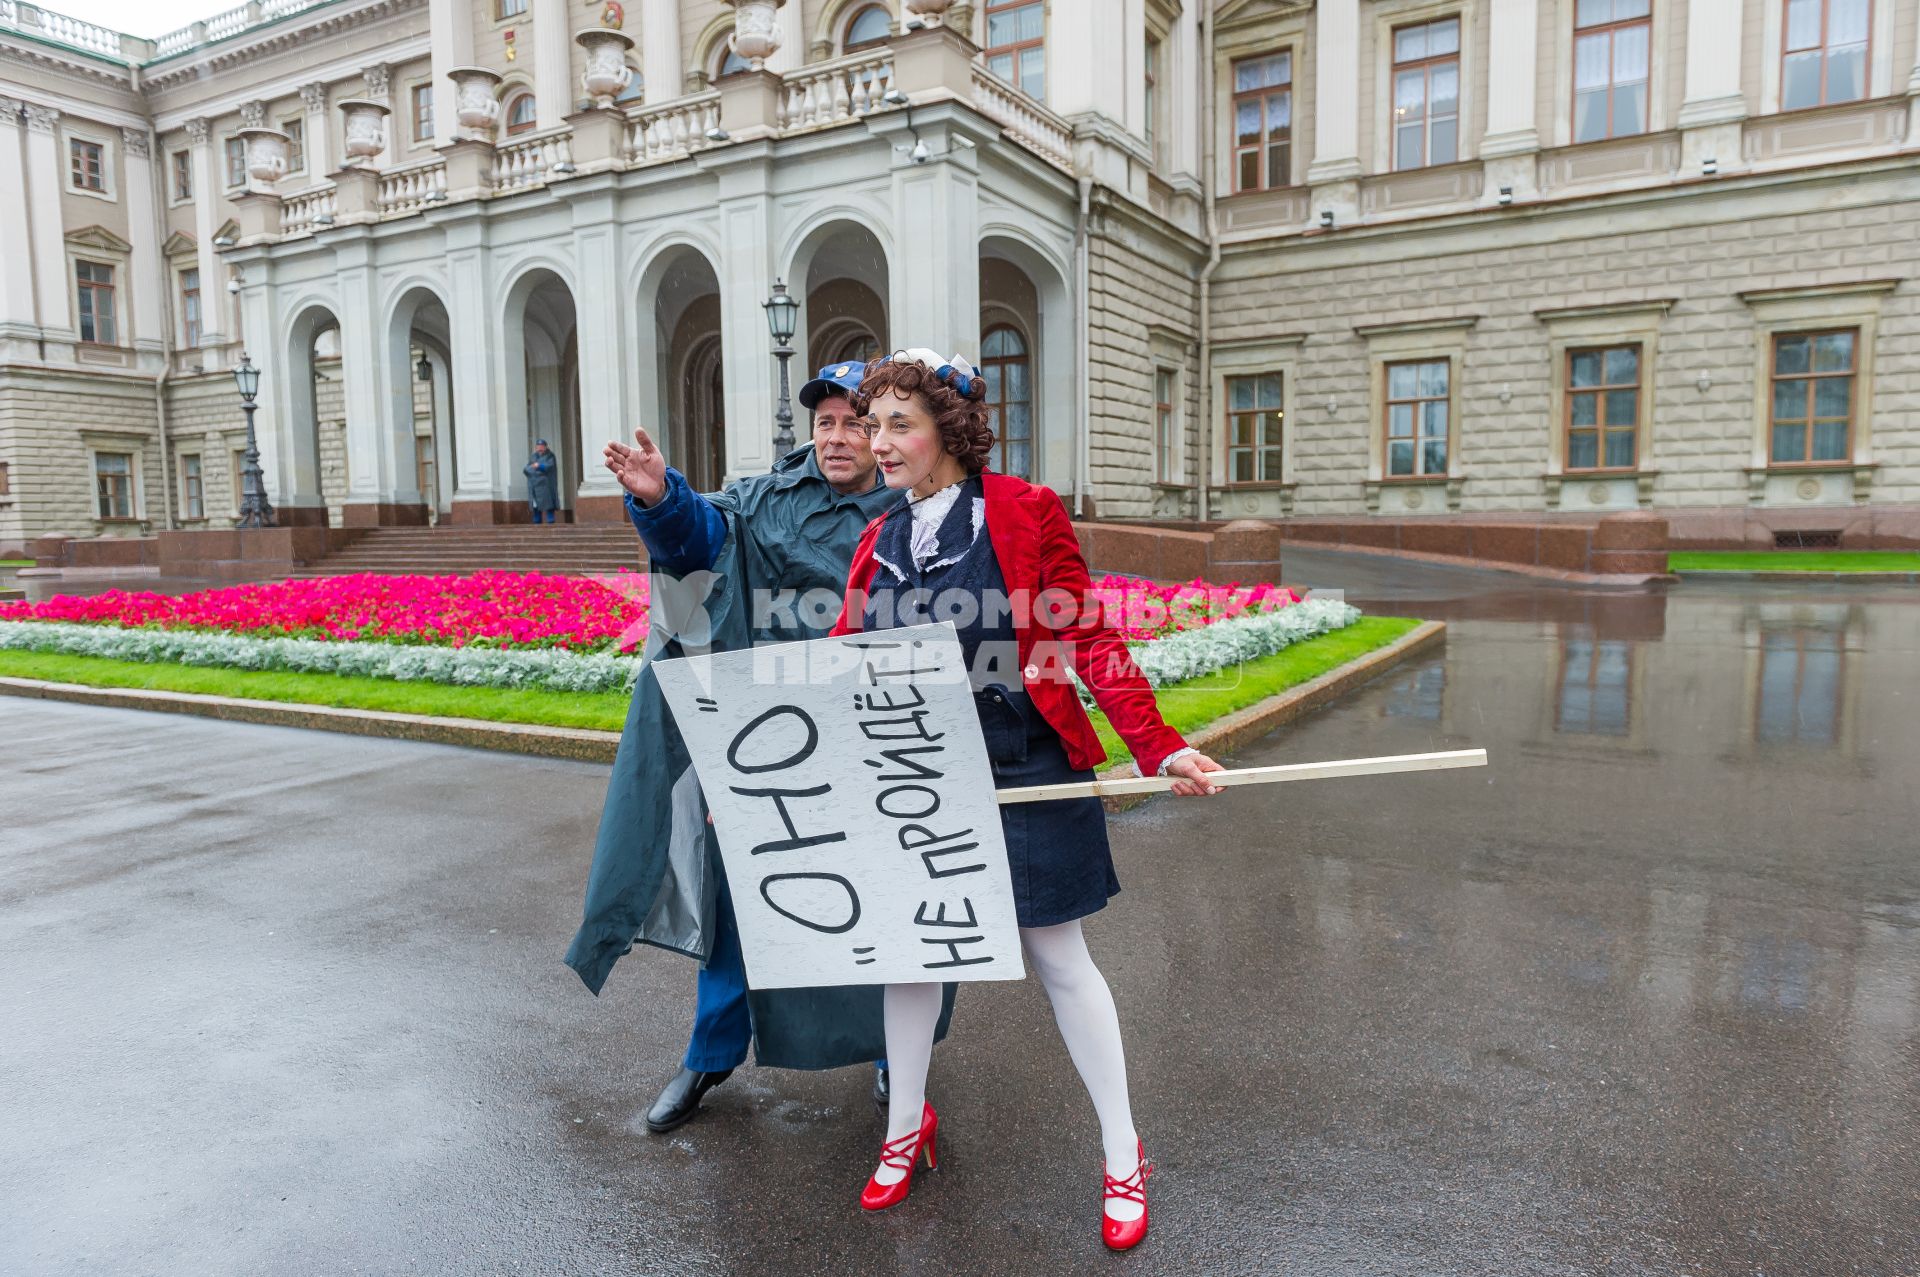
(998, 557)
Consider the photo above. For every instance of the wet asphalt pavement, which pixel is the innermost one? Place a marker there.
(1643, 997)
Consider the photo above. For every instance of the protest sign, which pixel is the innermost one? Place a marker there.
(853, 803)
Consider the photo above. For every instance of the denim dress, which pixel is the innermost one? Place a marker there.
(1061, 864)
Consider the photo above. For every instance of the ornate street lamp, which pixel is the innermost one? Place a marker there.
(783, 313)
(255, 512)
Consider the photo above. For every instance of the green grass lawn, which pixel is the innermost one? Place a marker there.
(1193, 704)
(1794, 561)
(17, 563)
(1186, 705)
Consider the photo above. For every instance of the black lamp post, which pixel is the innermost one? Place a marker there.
(255, 512)
(783, 313)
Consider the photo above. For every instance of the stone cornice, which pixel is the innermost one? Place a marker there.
(58, 57)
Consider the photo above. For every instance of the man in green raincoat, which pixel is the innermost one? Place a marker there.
(763, 561)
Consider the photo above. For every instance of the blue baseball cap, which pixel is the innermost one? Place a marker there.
(834, 379)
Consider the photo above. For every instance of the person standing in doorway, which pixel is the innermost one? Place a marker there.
(542, 484)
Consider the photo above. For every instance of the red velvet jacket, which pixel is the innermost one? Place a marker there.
(1040, 559)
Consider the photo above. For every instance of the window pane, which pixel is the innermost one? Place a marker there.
(1630, 110)
(1590, 116)
(1830, 441)
(1789, 400)
(1033, 71)
(1846, 22)
(1400, 420)
(1001, 28)
(1017, 422)
(1833, 397)
(1586, 410)
(1400, 456)
(1622, 406)
(1620, 448)
(1018, 390)
(1586, 368)
(1445, 141)
(1279, 167)
(1590, 61)
(1240, 430)
(991, 375)
(1239, 393)
(1789, 442)
(1001, 64)
(1269, 389)
(1803, 24)
(1020, 460)
(1406, 146)
(1270, 423)
(1630, 54)
(1409, 93)
(1446, 88)
(1433, 418)
(1802, 84)
(1279, 114)
(1581, 450)
(1624, 9)
(1270, 470)
(1409, 44)
(1402, 380)
(1443, 37)
(1249, 176)
(1434, 456)
(1162, 385)
(1243, 467)
(1433, 378)
(1623, 366)
(872, 24)
(1593, 12)
(1847, 74)
(1791, 354)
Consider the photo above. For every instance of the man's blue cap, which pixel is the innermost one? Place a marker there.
(834, 379)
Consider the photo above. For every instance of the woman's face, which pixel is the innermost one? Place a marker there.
(907, 447)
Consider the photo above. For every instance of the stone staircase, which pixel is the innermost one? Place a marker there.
(575, 549)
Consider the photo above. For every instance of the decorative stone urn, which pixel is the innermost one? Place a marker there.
(366, 130)
(607, 74)
(930, 12)
(756, 30)
(476, 102)
(266, 155)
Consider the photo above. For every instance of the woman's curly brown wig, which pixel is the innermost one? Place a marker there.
(961, 419)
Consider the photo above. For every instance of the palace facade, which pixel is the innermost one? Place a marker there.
(1219, 258)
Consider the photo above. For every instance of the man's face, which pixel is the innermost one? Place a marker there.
(841, 447)
(539, 447)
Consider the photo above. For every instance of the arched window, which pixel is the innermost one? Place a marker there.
(521, 112)
(636, 86)
(861, 348)
(870, 25)
(727, 62)
(1008, 374)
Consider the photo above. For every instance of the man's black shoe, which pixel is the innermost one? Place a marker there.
(882, 1089)
(681, 1100)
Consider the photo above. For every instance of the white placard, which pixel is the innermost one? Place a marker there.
(852, 799)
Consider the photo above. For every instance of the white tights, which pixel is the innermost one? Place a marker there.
(1089, 1025)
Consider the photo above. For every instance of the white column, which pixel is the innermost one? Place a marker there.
(478, 415)
(44, 179)
(553, 90)
(207, 183)
(1087, 59)
(1513, 50)
(935, 285)
(450, 40)
(792, 53)
(150, 285)
(601, 317)
(1713, 64)
(17, 316)
(1913, 90)
(1180, 90)
(319, 128)
(663, 62)
(1336, 80)
(746, 277)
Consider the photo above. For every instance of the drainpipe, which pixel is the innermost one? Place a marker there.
(1207, 124)
(157, 174)
(1083, 352)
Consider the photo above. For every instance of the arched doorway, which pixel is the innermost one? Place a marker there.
(307, 482)
(420, 411)
(842, 276)
(1026, 353)
(543, 382)
(687, 414)
(1006, 366)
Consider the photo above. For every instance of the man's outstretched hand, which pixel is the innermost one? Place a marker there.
(640, 469)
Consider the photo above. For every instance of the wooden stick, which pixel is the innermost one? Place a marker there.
(1252, 776)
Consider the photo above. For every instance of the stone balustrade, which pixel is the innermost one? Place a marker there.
(1029, 123)
(656, 134)
(528, 161)
(410, 189)
(305, 210)
(827, 93)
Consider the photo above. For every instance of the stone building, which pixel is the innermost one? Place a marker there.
(1220, 258)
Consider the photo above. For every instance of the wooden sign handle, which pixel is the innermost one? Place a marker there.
(1252, 776)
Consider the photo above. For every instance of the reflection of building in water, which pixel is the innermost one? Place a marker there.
(1596, 677)
(1802, 689)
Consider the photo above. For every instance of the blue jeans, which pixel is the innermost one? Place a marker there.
(544, 516)
(722, 1024)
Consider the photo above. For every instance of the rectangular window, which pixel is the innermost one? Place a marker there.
(182, 175)
(94, 284)
(193, 492)
(504, 9)
(89, 165)
(238, 469)
(1824, 52)
(1254, 420)
(1166, 444)
(423, 468)
(1017, 44)
(1263, 122)
(296, 131)
(1426, 94)
(190, 308)
(1151, 98)
(5, 491)
(423, 112)
(1603, 408)
(1611, 43)
(1418, 404)
(113, 481)
(236, 151)
(1812, 414)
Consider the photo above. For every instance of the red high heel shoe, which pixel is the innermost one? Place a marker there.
(1125, 1234)
(903, 1153)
